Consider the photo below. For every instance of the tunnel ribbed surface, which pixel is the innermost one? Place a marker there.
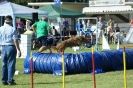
(110, 60)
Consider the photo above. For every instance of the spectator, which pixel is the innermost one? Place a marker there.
(117, 32)
(73, 29)
(56, 35)
(9, 43)
(110, 33)
(20, 27)
(42, 28)
(117, 28)
(110, 21)
(88, 25)
(79, 27)
(131, 23)
(100, 27)
(65, 24)
(65, 33)
(55, 32)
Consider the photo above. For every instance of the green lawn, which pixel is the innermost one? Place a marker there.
(112, 79)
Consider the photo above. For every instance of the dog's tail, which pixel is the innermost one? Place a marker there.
(54, 47)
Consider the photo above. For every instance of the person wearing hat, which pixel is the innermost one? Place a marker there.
(42, 28)
(9, 43)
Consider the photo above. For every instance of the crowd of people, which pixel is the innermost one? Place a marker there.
(111, 29)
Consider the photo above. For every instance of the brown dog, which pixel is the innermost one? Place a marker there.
(75, 41)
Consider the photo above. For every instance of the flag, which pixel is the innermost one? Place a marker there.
(57, 2)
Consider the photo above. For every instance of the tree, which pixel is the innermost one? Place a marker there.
(21, 2)
(25, 2)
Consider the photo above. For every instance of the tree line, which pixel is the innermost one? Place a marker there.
(25, 2)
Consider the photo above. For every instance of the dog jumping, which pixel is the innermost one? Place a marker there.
(69, 43)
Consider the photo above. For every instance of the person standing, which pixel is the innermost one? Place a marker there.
(65, 24)
(55, 32)
(20, 27)
(88, 25)
(9, 43)
(42, 28)
(110, 21)
(79, 27)
(100, 27)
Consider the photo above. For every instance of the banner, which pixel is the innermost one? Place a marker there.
(57, 2)
(106, 2)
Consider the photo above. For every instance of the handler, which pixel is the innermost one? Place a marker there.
(42, 28)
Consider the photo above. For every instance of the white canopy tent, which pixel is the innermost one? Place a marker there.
(15, 10)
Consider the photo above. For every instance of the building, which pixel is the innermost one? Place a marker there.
(67, 5)
(119, 10)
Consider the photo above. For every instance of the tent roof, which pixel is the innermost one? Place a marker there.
(8, 8)
(55, 11)
(107, 9)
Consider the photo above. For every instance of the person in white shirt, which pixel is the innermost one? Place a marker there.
(100, 27)
(10, 46)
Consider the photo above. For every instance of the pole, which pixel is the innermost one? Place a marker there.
(60, 30)
(60, 23)
(0, 20)
(124, 62)
(96, 45)
(93, 68)
(31, 69)
(63, 69)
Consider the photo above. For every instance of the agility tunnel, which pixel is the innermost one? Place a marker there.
(110, 60)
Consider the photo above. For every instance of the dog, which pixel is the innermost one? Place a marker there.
(69, 43)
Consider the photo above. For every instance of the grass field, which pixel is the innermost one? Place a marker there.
(112, 79)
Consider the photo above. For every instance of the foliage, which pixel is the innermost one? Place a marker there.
(25, 2)
(21, 2)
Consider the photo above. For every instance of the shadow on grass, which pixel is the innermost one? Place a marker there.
(57, 82)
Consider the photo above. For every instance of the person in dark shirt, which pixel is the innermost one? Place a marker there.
(66, 24)
(117, 32)
(117, 28)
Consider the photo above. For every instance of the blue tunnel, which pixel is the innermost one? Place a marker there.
(110, 60)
